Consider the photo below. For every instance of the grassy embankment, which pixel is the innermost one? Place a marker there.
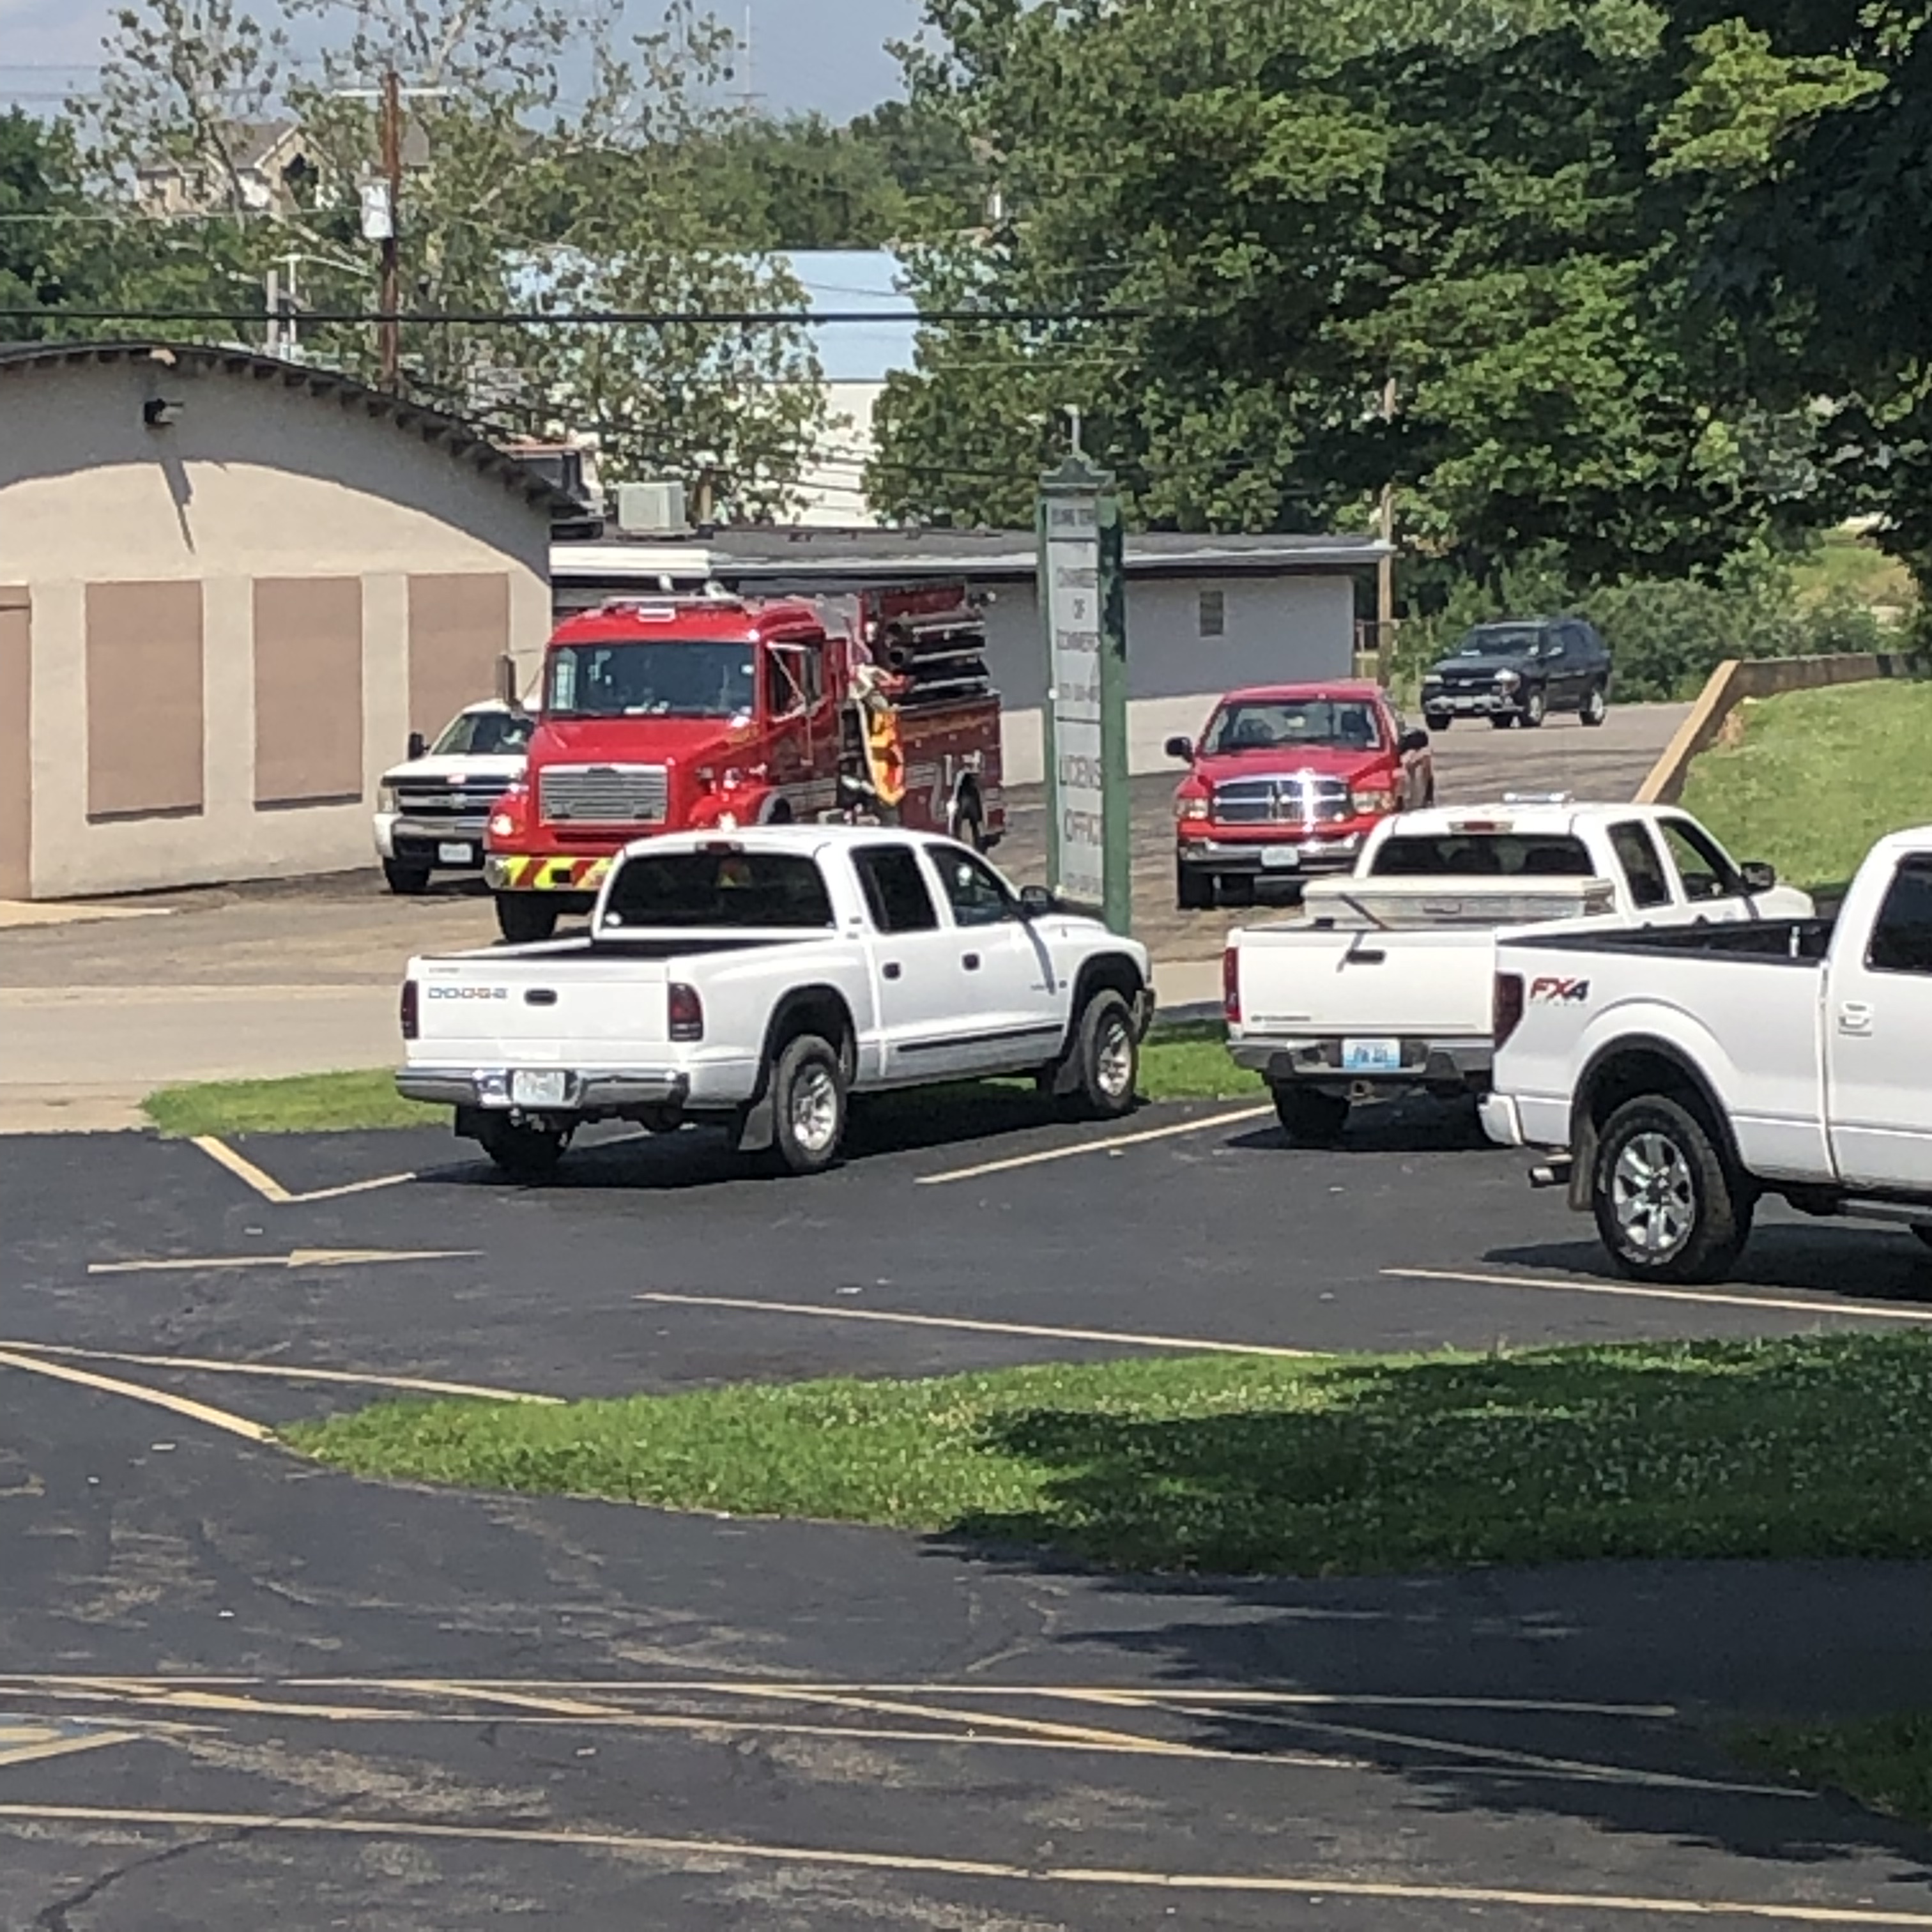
(1805, 1447)
(1817, 776)
(1187, 1061)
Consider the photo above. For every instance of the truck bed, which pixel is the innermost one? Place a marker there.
(1793, 941)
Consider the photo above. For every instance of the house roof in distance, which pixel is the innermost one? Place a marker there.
(829, 557)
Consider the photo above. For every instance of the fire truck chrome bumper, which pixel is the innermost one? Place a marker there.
(608, 1091)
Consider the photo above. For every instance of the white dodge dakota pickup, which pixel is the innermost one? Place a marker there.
(1685, 1073)
(1385, 982)
(760, 978)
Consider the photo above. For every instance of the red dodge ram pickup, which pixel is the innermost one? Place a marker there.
(1289, 779)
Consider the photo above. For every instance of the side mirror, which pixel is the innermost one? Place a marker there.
(417, 746)
(1413, 741)
(1182, 748)
(1036, 902)
(1758, 876)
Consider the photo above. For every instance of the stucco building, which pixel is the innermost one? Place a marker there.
(230, 587)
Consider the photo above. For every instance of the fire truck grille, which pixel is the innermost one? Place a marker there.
(604, 795)
(1299, 799)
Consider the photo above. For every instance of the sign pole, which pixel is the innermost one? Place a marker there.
(1083, 607)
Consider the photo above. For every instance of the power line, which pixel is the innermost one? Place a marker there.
(588, 318)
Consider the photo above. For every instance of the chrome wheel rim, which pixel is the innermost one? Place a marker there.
(1593, 705)
(1114, 1058)
(1534, 709)
(1653, 1197)
(815, 1109)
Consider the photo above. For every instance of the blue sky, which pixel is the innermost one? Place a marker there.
(824, 54)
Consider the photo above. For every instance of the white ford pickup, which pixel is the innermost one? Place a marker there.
(759, 978)
(1385, 982)
(1685, 1074)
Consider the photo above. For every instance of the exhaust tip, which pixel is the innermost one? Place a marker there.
(1550, 1174)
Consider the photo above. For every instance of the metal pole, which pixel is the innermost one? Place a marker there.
(1385, 570)
(392, 343)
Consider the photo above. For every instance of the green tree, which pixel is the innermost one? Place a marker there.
(1262, 212)
(39, 199)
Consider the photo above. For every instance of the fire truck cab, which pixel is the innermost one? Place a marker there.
(680, 713)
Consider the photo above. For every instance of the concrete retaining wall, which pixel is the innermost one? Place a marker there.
(1737, 678)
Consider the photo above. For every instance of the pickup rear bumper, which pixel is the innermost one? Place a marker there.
(605, 1091)
(1455, 1065)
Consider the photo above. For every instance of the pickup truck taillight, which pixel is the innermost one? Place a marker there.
(1230, 986)
(686, 1012)
(1506, 1008)
(410, 998)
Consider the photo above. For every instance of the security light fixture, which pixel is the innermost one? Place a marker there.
(160, 412)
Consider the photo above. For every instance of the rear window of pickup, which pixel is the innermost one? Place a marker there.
(720, 888)
(1484, 855)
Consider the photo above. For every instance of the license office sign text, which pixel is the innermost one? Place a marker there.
(1072, 570)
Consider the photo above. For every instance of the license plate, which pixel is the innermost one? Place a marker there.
(539, 1087)
(1371, 1056)
(1281, 859)
(457, 854)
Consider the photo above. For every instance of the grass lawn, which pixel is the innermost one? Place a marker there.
(1807, 1448)
(1818, 775)
(1184, 1062)
(307, 1103)
(1885, 1763)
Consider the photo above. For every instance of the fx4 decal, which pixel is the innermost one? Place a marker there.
(1550, 991)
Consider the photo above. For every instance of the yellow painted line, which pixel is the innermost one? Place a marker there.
(1190, 1343)
(781, 1687)
(42, 1747)
(1094, 1147)
(176, 1405)
(296, 1257)
(287, 1372)
(1866, 1311)
(1300, 1885)
(271, 1189)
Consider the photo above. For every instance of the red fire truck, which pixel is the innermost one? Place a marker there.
(680, 712)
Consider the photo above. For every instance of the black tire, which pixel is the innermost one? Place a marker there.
(1438, 721)
(525, 1150)
(1234, 889)
(1535, 708)
(1668, 1205)
(1595, 707)
(409, 881)
(523, 918)
(1310, 1117)
(1106, 1058)
(1924, 1233)
(1193, 891)
(810, 1105)
(1501, 721)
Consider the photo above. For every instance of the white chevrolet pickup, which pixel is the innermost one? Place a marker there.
(758, 979)
(1684, 1074)
(1385, 982)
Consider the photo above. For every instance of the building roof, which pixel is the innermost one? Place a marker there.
(827, 556)
(457, 438)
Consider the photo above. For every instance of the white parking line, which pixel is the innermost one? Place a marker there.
(1862, 1310)
(1095, 1147)
(1190, 1344)
(271, 1190)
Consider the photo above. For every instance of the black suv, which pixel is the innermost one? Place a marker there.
(1517, 671)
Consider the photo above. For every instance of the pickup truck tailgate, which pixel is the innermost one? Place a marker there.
(1312, 979)
(578, 1010)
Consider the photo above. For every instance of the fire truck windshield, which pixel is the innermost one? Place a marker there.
(663, 678)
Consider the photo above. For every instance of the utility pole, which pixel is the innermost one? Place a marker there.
(1385, 569)
(392, 173)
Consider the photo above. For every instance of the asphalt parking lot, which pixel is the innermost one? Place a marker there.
(234, 1688)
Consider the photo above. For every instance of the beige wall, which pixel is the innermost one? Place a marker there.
(459, 630)
(16, 698)
(258, 482)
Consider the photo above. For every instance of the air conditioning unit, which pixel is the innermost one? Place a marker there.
(651, 509)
